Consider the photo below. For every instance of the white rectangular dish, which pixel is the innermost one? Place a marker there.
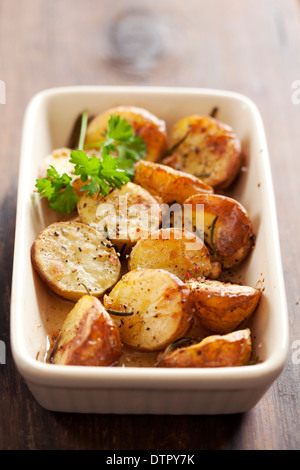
(127, 390)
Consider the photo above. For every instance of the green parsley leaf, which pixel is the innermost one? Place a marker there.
(92, 187)
(59, 191)
(100, 175)
(64, 201)
(119, 129)
(121, 141)
(44, 188)
(85, 166)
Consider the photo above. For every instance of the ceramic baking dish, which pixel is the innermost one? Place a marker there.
(47, 125)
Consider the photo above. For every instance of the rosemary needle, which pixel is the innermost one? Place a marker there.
(119, 313)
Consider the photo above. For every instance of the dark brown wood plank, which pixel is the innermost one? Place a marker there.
(249, 47)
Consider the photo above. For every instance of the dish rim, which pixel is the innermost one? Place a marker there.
(145, 377)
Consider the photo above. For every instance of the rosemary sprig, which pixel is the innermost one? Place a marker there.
(210, 245)
(203, 175)
(119, 313)
(171, 347)
(175, 146)
(86, 288)
(214, 112)
(212, 232)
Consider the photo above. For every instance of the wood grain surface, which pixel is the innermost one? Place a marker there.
(248, 47)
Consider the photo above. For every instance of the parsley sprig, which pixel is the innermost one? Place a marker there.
(123, 142)
(119, 151)
(59, 191)
(99, 174)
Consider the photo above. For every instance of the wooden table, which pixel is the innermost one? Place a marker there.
(248, 47)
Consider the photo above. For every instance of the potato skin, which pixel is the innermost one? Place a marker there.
(175, 250)
(88, 336)
(171, 185)
(206, 148)
(228, 230)
(222, 307)
(151, 129)
(230, 350)
(132, 211)
(71, 257)
(160, 305)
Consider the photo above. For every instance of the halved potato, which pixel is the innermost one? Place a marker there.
(228, 230)
(60, 159)
(123, 216)
(206, 148)
(151, 129)
(160, 306)
(73, 258)
(223, 306)
(88, 336)
(176, 250)
(171, 185)
(230, 350)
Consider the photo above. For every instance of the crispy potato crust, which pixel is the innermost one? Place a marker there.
(228, 230)
(171, 185)
(160, 306)
(175, 250)
(88, 336)
(230, 350)
(222, 307)
(206, 148)
(71, 258)
(147, 125)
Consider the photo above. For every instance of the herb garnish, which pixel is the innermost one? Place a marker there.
(212, 231)
(86, 288)
(121, 140)
(214, 112)
(171, 347)
(210, 246)
(101, 175)
(59, 191)
(176, 145)
(119, 313)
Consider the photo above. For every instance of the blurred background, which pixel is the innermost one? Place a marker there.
(247, 47)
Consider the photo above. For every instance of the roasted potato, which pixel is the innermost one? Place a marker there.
(59, 158)
(171, 185)
(228, 231)
(230, 350)
(206, 148)
(73, 258)
(88, 336)
(175, 250)
(151, 129)
(123, 216)
(223, 306)
(159, 304)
